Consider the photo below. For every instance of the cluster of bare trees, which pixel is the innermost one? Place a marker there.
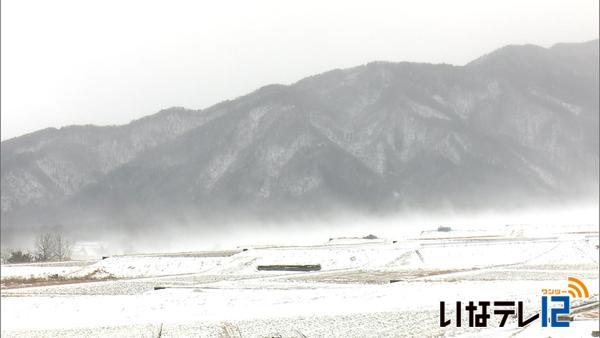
(49, 247)
(52, 247)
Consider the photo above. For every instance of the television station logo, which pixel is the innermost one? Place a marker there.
(554, 312)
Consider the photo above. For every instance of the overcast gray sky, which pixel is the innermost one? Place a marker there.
(108, 62)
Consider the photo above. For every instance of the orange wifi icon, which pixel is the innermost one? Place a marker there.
(577, 289)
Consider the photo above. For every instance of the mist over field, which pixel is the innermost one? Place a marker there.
(317, 230)
(197, 234)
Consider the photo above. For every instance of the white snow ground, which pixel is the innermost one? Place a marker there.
(223, 294)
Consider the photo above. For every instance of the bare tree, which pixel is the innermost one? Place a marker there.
(62, 248)
(44, 247)
(52, 246)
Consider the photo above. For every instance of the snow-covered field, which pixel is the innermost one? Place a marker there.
(365, 288)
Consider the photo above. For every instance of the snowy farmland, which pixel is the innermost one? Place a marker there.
(362, 287)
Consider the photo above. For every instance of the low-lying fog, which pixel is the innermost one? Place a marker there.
(203, 235)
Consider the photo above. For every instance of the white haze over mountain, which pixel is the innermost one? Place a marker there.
(391, 144)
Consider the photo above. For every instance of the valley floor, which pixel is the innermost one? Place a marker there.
(365, 288)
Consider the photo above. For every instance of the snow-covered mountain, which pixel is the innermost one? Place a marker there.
(514, 127)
